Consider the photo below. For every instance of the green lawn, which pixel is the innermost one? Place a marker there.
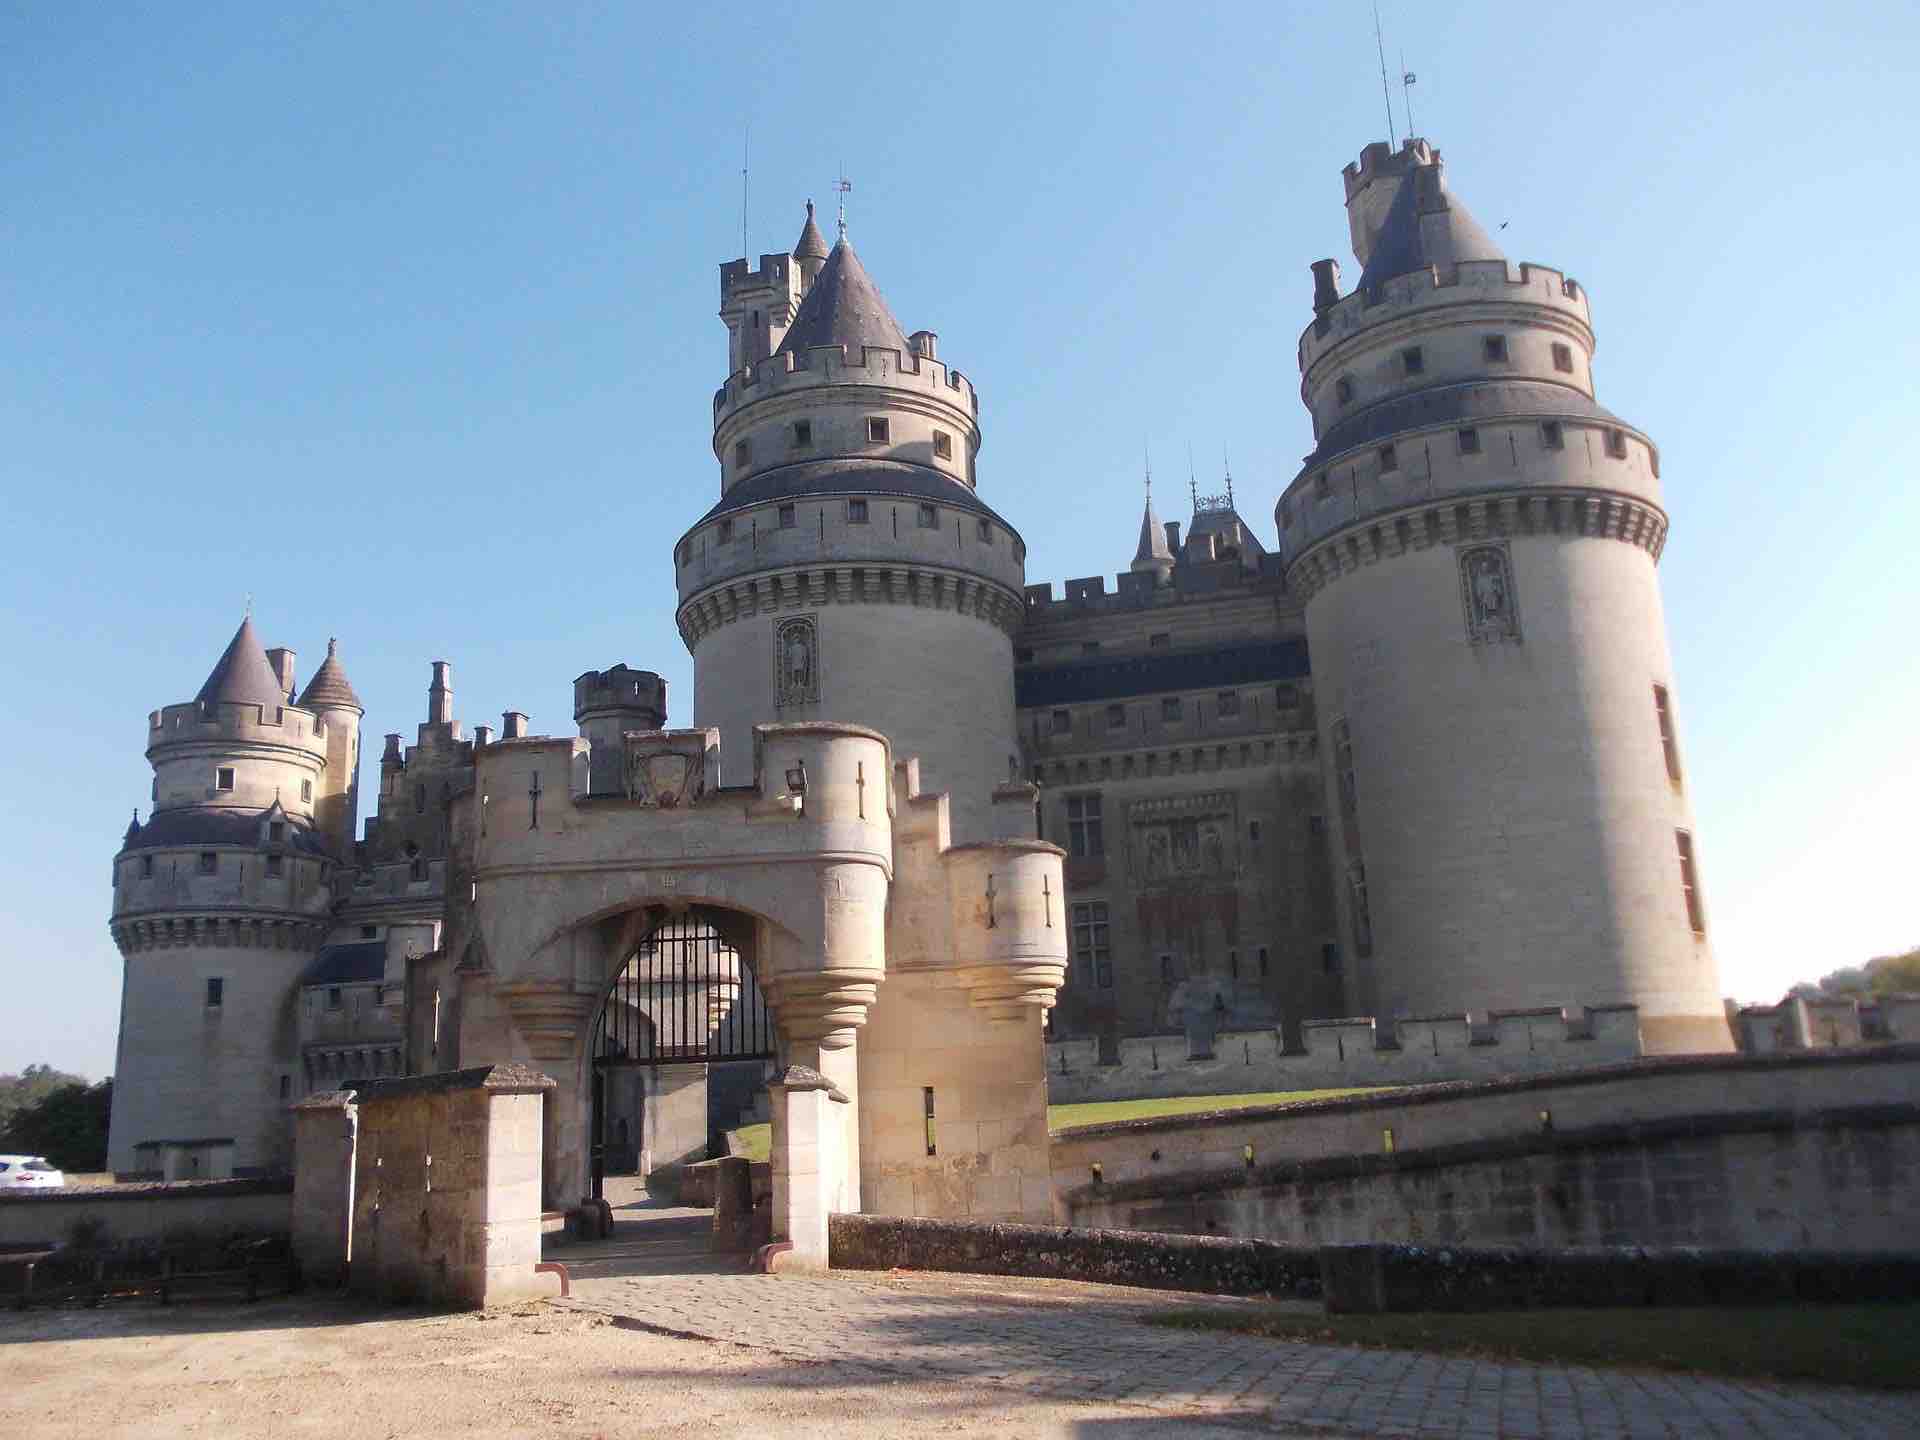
(1836, 1344)
(758, 1139)
(1101, 1112)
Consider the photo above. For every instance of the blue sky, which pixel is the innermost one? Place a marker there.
(401, 319)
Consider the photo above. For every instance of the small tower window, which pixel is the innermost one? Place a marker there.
(1413, 360)
(984, 529)
(216, 992)
(1343, 390)
(1469, 442)
(1617, 444)
(1286, 697)
(787, 519)
(942, 445)
(1495, 349)
(1563, 359)
(417, 870)
(1263, 962)
(802, 434)
(209, 862)
(1320, 487)
(1689, 883)
(1116, 717)
(726, 532)
(878, 430)
(1330, 959)
(1062, 722)
(1669, 742)
(223, 778)
(275, 866)
(146, 867)
(856, 512)
(1552, 436)
(420, 799)
(306, 791)
(1228, 702)
(929, 517)
(1170, 708)
(1389, 458)
(333, 997)
(742, 453)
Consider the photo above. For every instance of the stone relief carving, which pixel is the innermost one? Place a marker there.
(661, 778)
(1486, 590)
(796, 662)
(1186, 839)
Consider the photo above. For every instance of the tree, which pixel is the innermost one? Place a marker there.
(29, 1087)
(1882, 975)
(68, 1125)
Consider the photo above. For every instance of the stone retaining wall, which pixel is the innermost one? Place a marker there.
(154, 1211)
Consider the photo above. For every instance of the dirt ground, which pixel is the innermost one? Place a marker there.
(333, 1367)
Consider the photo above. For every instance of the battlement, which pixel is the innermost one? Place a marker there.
(1138, 590)
(1823, 1022)
(1491, 282)
(772, 273)
(824, 365)
(1381, 161)
(195, 723)
(1357, 1051)
(620, 688)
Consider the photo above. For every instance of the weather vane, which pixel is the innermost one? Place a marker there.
(844, 186)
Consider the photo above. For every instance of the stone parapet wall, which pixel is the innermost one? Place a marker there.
(1342, 1053)
(1816, 1150)
(261, 1206)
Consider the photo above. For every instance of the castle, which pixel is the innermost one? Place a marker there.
(1420, 755)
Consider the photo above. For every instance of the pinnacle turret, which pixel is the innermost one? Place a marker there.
(329, 688)
(812, 245)
(1152, 552)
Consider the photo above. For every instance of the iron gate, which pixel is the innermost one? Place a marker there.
(684, 997)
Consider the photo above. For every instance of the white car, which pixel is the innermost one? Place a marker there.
(29, 1172)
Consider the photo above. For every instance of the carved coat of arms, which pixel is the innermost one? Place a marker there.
(664, 779)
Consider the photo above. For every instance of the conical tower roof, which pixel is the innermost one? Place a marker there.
(812, 245)
(844, 307)
(1425, 226)
(242, 676)
(1152, 553)
(329, 687)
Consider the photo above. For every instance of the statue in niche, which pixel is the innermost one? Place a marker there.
(1486, 591)
(1186, 845)
(796, 662)
(1212, 848)
(1156, 852)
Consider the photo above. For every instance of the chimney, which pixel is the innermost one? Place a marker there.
(482, 736)
(282, 662)
(513, 725)
(925, 344)
(1326, 284)
(440, 694)
(1201, 547)
(391, 755)
(1173, 537)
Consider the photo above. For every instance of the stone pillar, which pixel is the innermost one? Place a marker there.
(448, 1206)
(324, 1127)
(811, 1118)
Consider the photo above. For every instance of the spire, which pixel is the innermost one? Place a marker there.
(242, 676)
(134, 828)
(329, 688)
(844, 307)
(811, 245)
(1152, 552)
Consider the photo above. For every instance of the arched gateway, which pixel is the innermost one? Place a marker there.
(902, 977)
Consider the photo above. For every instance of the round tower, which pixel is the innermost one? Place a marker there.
(220, 901)
(606, 705)
(1475, 539)
(331, 698)
(849, 571)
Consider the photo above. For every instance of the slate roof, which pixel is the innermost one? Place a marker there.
(1205, 520)
(812, 245)
(360, 961)
(1153, 539)
(181, 829)
(844, 307)
(242, 675)
(1154, 674)
(329, 686)
(1425, 226)
(1465, 403)
(882, 478)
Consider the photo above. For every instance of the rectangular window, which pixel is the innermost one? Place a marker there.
(1343, 390)
(417, 870)
(286, 1087)
(1166, 969)
(1170, 708)
(1092, 955)
(1253, 832)
(1160, 641)
(942, 445)
(277, 832)
(1389, 458)
(788, 517)
(802, 434)
(1329, 959)
(1116, 717)
(926, 1095)
(1086, 838)
(878, 430)
(306, 791)
(856, 512)
(984, 529)
(1551, 435)
(1669, 742)
(1617, 444)
(725, 536)
(1362, 913)
(1062, 722)
(1343, 770)
(420, 799)
(1316, 824)
(1690, 883)
(929, 517)
(216, 992)
(742, 452)
(1228, 702)
(369, 932)
(223, 778)
(209, 863)
(275, 865)
(1286, 696)
(1263, 962)
(1495, 349)
(1414, 360)
(1563, 359)
(333, 997)
(146, 867)
(1469, 442)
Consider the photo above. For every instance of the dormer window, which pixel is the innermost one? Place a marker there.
(276, 832)
(879, 432)
(1413, 360)
(942, 445)
(223, 778)
(802, 434)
